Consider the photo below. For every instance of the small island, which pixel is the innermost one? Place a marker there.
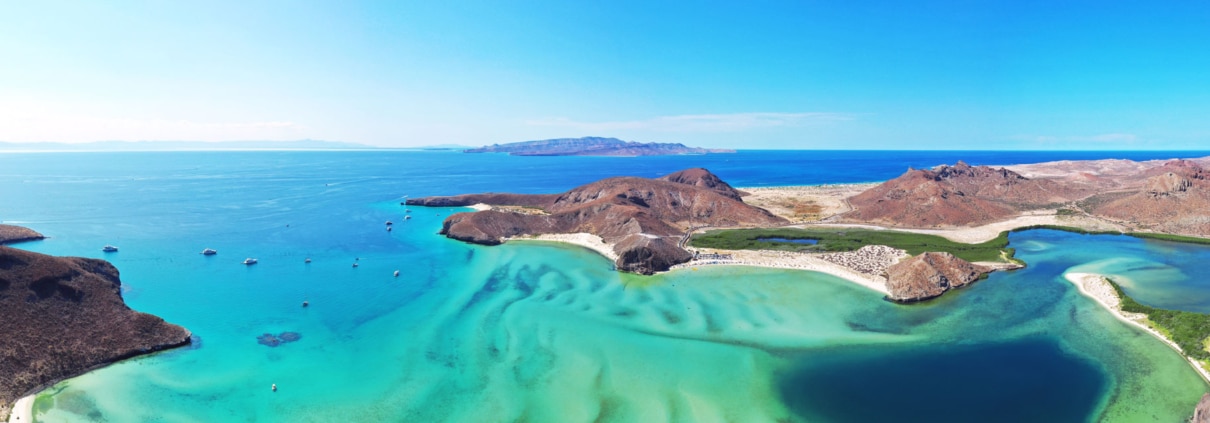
(64, 316)
(592, 146)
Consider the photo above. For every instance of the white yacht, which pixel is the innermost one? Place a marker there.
(209, 252)
(249, 261)
(109, 249)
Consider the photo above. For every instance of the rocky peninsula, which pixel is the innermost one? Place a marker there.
(10, 234)
(592, 146)
(644, 220)
(64, 316)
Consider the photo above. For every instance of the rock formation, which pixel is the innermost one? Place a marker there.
(956, 195)
(929, 275)
(1201, 414)
(12, 234)
(1171, 198)
(65, 316)
(643, 218)
(592, 146)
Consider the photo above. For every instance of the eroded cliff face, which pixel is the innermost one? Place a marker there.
(63, 316)
(644, 218)
(929, 275)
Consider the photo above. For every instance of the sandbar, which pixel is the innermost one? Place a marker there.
(1097, 287)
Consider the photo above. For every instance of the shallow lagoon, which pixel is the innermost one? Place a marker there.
(542, 332)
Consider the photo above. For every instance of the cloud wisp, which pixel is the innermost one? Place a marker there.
(732, 122)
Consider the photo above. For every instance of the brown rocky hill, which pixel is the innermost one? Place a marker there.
(929, 275)
(1172, 198)
(64, 316)
(11, 234)
(643, 218)
(956, 195)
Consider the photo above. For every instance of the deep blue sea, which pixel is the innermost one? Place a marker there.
(533, 331)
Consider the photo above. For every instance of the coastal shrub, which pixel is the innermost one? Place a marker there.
(850, 239)
(1186, 328)
(1072, 229)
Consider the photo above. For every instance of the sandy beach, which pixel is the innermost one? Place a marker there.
(1097, 287)
(582, 239)
(790, 260)
(23, 410)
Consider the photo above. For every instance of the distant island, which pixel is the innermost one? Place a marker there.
(592, 146)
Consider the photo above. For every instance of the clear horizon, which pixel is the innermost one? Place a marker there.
(871, 76)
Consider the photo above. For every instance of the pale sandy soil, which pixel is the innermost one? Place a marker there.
(23, 411)
(808, 203)
(1096, 287)
(790, 260)
(480, 207)
(978, 234)
(582, 239)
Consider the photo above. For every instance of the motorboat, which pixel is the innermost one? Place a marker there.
(249, 261)
(209, 252)
(109, 249)
(397, 273)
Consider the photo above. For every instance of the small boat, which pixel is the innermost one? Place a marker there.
(389, 223)
(306, 303)
(407, 210)
(354, 264)
(109, 249)
(397, 273)
(407, 217)
(388, 228)
(209, 252)
(274, 387)
(249, 261)
(308, 260)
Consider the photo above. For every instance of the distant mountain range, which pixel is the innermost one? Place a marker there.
(182, 145)
(592, 146)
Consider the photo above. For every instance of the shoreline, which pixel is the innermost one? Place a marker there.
(23, 410)
(1096, 287)
(582, 239)
(791, 261)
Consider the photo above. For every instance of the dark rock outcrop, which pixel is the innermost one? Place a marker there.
(63, 316)
(644, 218)
(1201, 414)
(12, 234)
(592, 146)
(929, 275)
(646, 255)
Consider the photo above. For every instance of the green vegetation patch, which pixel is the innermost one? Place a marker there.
(850, 239)
(1173, 238)
(1186, 328)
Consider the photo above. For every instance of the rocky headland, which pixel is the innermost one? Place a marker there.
(929, 275)
(643, 219)
(10, 234)
(63, 316)
(592, 146)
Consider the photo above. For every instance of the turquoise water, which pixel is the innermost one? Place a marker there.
(542, 332)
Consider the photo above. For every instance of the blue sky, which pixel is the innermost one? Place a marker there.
(927, 75)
